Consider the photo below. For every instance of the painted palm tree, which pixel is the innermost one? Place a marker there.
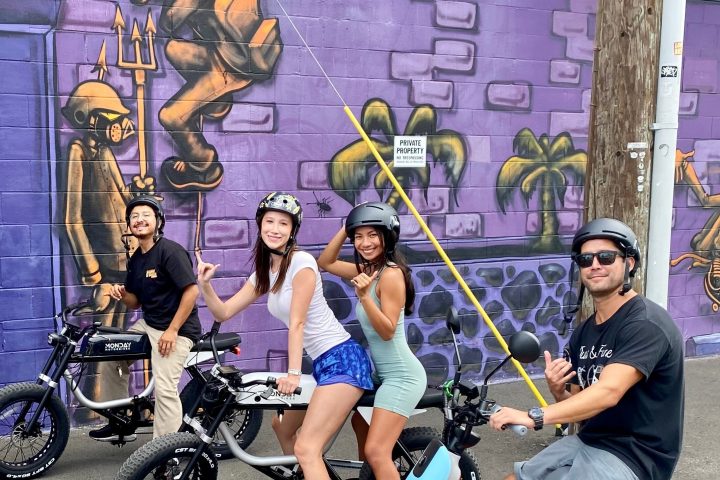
(351, 167)
(541, 165)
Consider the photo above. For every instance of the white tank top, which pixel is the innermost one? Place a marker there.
(322, 330)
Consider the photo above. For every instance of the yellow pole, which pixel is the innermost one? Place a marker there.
(442, 253)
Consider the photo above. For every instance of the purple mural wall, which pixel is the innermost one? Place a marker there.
(212, 109)
(694, 293)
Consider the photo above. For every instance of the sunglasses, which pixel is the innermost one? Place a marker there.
(605, 257)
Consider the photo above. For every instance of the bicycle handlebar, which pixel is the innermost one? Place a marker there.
(519, 430)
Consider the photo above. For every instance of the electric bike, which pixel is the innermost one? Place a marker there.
(34, 422)
(441, 460)
(184, 455)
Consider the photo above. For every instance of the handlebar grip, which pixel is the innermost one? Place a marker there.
(272, 381)
(519, 430)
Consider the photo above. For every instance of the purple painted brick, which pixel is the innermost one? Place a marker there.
(313, 175)
(509, 96)
(706, 151)
(575, 123)
(461, 15)
(247, 117)
(583, 6)
(580, 48)
(569, 222)
(463, 225)
(15, 240)
(229, 233)
(586, 99)
(19, 341)
(15, 302)
(478, 149)
(455, 55)
(43, 302)
(15, 110)
(89, 15)
(565, 71)
(436, 93)
(20, 366)
(237, 262)
(410, 228)
(409, 66)
(701, 74)
(568, 24)
(438, 200)
(25, 208)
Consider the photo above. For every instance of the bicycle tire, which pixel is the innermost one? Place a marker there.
(162, 458)
(416, 439)
(29, 456)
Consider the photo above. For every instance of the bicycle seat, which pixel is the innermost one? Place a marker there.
(431, 398)
(223, 341)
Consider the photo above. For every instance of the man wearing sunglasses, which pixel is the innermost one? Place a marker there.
(624, 365)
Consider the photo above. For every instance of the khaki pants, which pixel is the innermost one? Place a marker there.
(114, 378)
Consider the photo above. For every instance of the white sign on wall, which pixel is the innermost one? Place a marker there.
(410, 151)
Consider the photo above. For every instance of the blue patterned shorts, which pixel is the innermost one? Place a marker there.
(344, 363)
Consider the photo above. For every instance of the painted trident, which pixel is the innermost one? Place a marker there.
(138, 68)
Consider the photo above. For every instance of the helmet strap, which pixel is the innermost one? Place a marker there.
(626, 282)
(288, 247)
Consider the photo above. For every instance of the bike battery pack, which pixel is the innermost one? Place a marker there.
(117, 346)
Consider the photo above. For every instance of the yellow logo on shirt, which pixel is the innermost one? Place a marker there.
(150, 273)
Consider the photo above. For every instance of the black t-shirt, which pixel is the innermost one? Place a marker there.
(645, 428)
(158, 279)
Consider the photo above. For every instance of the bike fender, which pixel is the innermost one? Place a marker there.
(434, 464)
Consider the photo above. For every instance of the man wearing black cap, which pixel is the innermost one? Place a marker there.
(625, 366)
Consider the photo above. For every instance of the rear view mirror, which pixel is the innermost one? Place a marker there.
(524, 347)
(453, 320)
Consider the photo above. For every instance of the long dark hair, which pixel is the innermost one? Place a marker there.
(261, 258)
(388, 259)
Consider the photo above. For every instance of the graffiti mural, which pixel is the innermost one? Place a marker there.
(541, 165)
(210, 105)
(350, 168)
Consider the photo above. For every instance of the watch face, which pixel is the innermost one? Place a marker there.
(535, 412)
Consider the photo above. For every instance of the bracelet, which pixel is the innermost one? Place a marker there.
(294, 371)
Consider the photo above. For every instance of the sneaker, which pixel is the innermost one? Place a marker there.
(182, 175)
(107, 434)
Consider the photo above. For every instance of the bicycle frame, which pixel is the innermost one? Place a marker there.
(64, 353)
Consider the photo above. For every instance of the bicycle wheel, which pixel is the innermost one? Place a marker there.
(245, 423)
(416, 439)
(23, 453)
(167, 457)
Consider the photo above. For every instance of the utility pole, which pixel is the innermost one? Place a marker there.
(620, 140)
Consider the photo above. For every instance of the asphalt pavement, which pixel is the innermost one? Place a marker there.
(85, 459)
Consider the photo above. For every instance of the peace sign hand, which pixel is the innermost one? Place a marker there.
(205, 271)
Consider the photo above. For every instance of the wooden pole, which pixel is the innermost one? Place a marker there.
(625, 73)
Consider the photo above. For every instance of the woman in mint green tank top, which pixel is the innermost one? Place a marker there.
(385, 295)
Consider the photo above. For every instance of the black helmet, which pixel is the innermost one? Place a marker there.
(375, 214)
(610, 229)
(152, 202)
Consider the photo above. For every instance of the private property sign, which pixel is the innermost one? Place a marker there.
(410, 151)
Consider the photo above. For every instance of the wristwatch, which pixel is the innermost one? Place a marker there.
(294, 371)
(537, 415)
